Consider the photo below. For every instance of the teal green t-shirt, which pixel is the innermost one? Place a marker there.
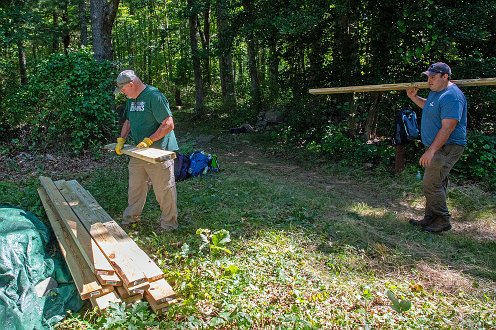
(146, 113)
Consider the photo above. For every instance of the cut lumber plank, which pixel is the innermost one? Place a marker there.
(98, 262)
(124, 295)
(160, 292)
(103, 302)
(400, 86)
(113, 280)
(151, 155)
(137, 289)
(158, 308)
(143, 261)
(84, 279)
(127, 266)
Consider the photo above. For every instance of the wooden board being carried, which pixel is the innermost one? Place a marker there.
(400, 86)
(151, 155)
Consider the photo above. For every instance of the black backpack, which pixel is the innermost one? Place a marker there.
(406, 127)
(181, 166)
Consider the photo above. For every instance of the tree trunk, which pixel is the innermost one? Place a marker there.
(102, 19)
(370, 131)
(252, 59)
(274, 71)
(55, 37)
(66, 38)
(22, 63)
(83, 24)
(225, 62)
(193, 29)
(207, 75)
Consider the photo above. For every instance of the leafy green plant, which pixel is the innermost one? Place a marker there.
(215, 241)
(477, 161)
(399, 305)
(117, 316)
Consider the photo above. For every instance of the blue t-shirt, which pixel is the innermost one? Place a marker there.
(146, 113)
(450, 103)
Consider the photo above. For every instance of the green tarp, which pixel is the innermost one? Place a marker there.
(24, 263)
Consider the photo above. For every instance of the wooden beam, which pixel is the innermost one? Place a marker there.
(160, 292)
(85, 280)
(400, 86)
(99, 262)
(103, 302)
(142, 260)
(151, 155)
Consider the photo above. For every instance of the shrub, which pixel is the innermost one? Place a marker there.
(478, 160)
(67, 104)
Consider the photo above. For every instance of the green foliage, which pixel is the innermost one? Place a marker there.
(478, 160)
(215, 241)
(68, 104)
(399, 305)
(117, 316)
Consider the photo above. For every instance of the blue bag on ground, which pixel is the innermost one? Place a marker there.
(199, 163)
(24, 263)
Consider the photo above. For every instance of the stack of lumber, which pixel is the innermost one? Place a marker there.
(105, 263)
(151, 155)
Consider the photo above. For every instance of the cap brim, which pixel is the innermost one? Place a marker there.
(428, 73)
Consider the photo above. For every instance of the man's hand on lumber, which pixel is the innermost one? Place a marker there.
(119, 145)
(145, 143)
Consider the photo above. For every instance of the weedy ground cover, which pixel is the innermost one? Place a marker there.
(276, 242)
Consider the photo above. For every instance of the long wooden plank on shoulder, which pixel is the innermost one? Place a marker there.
(146, 264)
(84, 279)
(399, 86)
(69, 220)
(100, 263)
(151, 155)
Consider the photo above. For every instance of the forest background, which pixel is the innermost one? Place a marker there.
(231, 60)
(317, 225)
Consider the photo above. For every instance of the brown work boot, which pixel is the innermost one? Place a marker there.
(426, 221)
(439, 224)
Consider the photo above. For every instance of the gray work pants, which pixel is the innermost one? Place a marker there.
(435, 181)
(163, 182)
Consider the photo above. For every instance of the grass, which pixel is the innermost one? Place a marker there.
(311, 246)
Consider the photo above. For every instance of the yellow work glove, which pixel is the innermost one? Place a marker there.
(119, 145)
(145, 143)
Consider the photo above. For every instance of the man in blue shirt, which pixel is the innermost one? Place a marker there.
(444, 135)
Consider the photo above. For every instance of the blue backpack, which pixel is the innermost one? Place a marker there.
(181, 167)
(199, 163)
(406, 127)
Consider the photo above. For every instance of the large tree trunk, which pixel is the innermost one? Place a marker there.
(252, 60)
(22, 63)
(225, 63)
(193, 30)
(274, 71)
(66, 38)
(102, 20)
(83, 24)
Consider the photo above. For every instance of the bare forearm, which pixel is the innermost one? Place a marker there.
(126, 128)
(165, 128)
(419, 101)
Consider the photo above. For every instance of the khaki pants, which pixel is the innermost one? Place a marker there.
(162, 179)
(435, 180)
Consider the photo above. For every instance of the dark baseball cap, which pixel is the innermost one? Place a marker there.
(438, 67)
(124, 78)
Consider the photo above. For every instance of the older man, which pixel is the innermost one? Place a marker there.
(149, 121)
(444, 135)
